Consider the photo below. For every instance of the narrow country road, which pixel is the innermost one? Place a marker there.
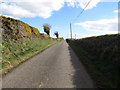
(56, 67)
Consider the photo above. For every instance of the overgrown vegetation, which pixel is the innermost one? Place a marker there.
(20, 42)
(14, 53)
(100, 55)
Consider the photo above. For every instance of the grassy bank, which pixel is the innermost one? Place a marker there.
(100, 56)
(14, 53)
(19, 42)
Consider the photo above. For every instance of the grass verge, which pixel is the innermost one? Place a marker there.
(19, 52)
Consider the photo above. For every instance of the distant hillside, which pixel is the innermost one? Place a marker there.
(101, 57)
(20, 41)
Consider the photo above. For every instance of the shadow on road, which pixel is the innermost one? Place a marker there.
(81, 79)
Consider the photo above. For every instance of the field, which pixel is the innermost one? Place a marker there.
(100, 56)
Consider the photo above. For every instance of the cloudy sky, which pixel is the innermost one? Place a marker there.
(99, 18)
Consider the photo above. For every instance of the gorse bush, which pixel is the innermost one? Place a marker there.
(15, 29)
(28, 29)
(36, 31)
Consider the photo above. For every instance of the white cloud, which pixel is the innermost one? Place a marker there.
(15, 10)
(42, 8)
(30, 8)
(106, 26)
(82, 3)
(9, 16)
(116, 11)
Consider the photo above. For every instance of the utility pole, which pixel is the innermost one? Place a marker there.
(75, 36)
(71, 30)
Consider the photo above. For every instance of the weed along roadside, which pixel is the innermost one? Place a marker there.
(100, 56)
(14, 61)
(20, 42)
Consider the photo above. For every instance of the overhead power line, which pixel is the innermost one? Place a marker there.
(82, 11)
(78, 17)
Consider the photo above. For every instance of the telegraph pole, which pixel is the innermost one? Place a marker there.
(71, 30)
(78, 17)
(75, 36)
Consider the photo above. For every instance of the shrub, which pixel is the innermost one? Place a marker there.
(56, 34)
(47, 28)
(28, 29)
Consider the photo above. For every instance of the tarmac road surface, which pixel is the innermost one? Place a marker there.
(56, 67)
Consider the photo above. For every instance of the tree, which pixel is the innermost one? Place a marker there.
(47, 28)
(56, 34)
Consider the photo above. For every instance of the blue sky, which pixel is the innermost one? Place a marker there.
(98, 19)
